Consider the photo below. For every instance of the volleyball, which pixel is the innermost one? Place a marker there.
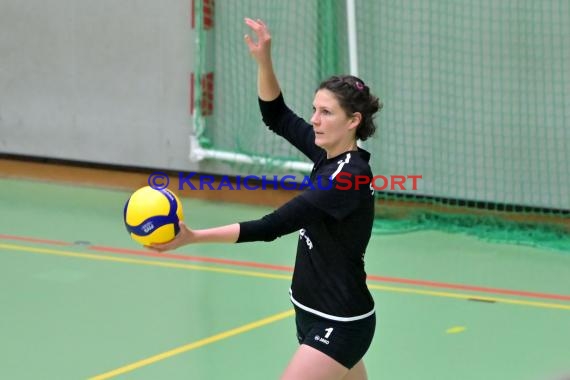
(152, 215)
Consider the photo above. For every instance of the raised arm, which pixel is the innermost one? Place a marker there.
(267, 85)
(275, 113)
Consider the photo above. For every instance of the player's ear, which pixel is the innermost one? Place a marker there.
(355, 120)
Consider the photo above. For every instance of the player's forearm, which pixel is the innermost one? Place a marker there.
(224, 234)
(267, 84)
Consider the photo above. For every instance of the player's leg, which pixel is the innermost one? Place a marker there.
(309, 363)
(358, 372)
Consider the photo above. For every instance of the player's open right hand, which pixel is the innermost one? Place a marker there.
(260, 50)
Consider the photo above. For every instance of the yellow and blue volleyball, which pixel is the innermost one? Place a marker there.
(152, 215)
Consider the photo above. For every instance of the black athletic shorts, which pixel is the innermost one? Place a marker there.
(345, 342)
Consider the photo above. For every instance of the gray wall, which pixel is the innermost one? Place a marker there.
(99, 81)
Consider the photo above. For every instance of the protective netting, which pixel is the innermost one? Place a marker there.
(475, 100)
(304, 51)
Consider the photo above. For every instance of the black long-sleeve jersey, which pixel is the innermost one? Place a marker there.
(335, 222)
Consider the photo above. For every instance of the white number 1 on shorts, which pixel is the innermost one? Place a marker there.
(329, 332)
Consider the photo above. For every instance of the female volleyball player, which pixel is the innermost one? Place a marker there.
(335, 314)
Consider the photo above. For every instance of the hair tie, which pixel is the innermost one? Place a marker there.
(359, 86)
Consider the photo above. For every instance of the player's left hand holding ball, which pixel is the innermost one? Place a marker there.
(183, 237)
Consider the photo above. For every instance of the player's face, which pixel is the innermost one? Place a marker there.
(334, 129)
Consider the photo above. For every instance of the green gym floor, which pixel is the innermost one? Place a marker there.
(80, 300)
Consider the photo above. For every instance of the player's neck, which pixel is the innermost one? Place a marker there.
(337, 151)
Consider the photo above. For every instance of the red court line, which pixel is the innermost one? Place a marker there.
(251, 264)
(370, 277)
(482, 289)
(34, 240)
(149, 253)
